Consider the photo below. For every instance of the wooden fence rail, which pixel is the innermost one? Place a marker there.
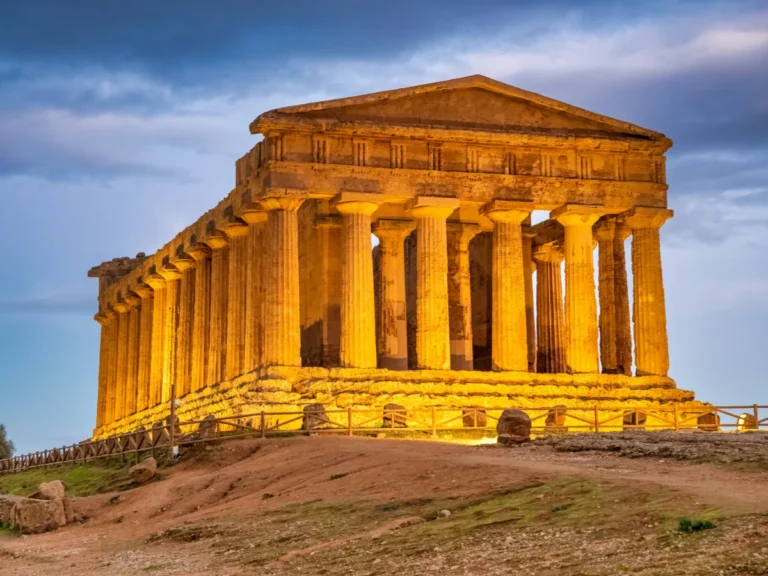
(370, 421)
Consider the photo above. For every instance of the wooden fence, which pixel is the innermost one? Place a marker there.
(394, 420)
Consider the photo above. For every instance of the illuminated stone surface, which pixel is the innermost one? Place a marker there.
(258, 304)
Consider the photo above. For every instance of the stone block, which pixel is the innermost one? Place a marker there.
(513, 427)
(32, 516)
(144, 471)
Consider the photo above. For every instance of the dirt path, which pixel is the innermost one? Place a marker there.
(237, 489)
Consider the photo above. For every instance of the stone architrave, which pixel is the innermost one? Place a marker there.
(256, 218)
(580, 302)
(237, 233)
(282, 313)
(650, 315)
(460, 293)
(615, 332)
(201, 315)
(186, 264)
(393, 329)
(132, 360)
(121, 366)
(510, 332)
(217, 320)
(358, 313)
(549, 319)
(433, 338)
(144, 365)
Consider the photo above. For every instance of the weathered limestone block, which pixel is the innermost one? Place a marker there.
(513, 427)
(635, 420)
(395, 416)
(474, 417)
(53, 490)
(36, 516)
(315, 417)
(7, 503)
(746, 421)
(709, 422)
(555, 421)
(144, 470)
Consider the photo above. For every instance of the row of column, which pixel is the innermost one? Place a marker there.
(221, 309)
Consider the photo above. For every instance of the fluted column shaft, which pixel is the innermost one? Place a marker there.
(392, 346)
(106, 320)
(615, 332)
(201, 316)
(528, 268)
(144, 367)
(510, 324)
(358, 313)
(433, 336)
(157, 361)
(172, 277)
(121, 367)
(550, 352)
(185, 325)
(254, 295)
(650, 315)
(111, 376)
(132, 354)
(237, 233)
(460, 294)
(580, 301)
(282, 314)
(217, 325)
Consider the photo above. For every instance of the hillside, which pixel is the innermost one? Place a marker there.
(320, 505)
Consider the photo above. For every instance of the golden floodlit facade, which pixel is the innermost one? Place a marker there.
(276, 298)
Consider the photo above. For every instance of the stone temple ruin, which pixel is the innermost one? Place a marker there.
(275, 299)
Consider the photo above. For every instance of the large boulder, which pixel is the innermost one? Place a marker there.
(69, 509)
(33, 516)
(207, 427)
(395, 416)
(7, 502)
(474, 418)
(746, 421)
(709, 422)
(144, 471)
(53, 490)
(513, 427)
(314, 418)
(555, 421)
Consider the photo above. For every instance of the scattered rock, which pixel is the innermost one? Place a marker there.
(746, 421)
(144, 471)
(555, 422)
(513, 427)
(395, 524)
(471, 417)
(36, 516)
(7, 502)
(53, 490)
(315, 417)
(207, 427)
(709, 422)
(444, 513)
(395, 416)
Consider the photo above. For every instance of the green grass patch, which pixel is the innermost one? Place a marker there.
(79, 479)
(688, 526)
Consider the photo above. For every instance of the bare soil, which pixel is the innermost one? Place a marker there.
(329, 505)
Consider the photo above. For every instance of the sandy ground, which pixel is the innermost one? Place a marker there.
(324, 505)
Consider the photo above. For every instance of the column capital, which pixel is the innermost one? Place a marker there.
(507, 211)
(143, 290)
(104, 318)
(432, 206)
(216, 240)
(234, 228)
(156, 281)
(184, 262)
(577, 214)
(548, 253)
(609, 228)
(282, 203)
(169, 272)
(641, 217)
(385, 228)
(120, 307)
(254, 214)
(198, 252)
(465, 231)
(357, 202)
(132, 299)
(327, 221)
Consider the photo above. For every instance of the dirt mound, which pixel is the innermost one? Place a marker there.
(749, 448)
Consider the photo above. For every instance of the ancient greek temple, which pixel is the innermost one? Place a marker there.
(277, 298)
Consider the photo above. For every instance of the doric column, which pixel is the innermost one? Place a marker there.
(358, 313)
(433, 338)
(186, 264)
(111, 376)
(254, 295)
(157, 282)
(528, 268)
(201, 315)
(282, 315)
(132, 360)
(510, 332)
(550, 353)
(237, 233)
(392, 349)
(144, 367)
(172, 277)
(615, 333)
(460, 293)
(217, 320)
(105, 319)
(580, 301)
(121, 367)
(650, 315)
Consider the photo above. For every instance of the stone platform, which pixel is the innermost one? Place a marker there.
(289, 389)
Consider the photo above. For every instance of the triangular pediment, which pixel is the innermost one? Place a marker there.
(472, 103)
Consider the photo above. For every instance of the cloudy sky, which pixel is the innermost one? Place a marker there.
(120, 123)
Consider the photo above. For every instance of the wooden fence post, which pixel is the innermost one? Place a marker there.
(349, 421)
(263, 425)
(757, 417)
